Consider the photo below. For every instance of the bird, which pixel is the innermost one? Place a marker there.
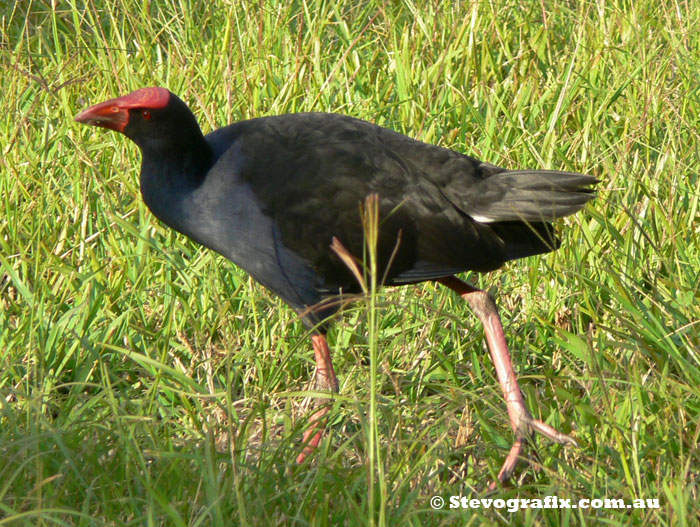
(280, 197)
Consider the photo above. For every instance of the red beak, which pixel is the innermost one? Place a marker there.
(109, 114)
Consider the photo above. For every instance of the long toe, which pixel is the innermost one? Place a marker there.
(313, 434)
(510, 463)
(551, 433)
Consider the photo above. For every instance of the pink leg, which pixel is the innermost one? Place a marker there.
(325, 381)
(521, 420)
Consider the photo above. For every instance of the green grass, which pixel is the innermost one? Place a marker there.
(146, 381)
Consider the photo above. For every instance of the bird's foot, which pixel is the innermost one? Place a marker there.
(313, 434)
(525, 426)
(325, 381)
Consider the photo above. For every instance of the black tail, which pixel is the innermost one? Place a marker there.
(531, 196)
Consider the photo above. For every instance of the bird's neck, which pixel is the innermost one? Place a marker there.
(170, 173)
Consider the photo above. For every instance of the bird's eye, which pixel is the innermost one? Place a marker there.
(146, 114)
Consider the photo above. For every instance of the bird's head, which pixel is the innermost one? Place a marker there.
(151, 117)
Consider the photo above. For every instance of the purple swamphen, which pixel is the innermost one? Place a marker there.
(272, 194)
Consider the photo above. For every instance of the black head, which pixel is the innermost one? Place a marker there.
(154, 118)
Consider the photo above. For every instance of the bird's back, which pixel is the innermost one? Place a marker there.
(309, 173)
